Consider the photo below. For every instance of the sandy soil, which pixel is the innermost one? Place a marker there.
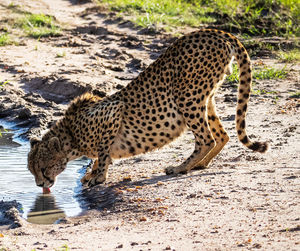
(243, 201)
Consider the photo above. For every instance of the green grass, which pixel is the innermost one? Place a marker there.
(153, 12)
(1, 131)
(5, 40)
(270, 73)
(19, 23)
(262, 92)
(63, 248)
(2, 84)
(61, 54)
(292, 56)
(295, 94)
(272, 94)
(255, 47)
(39, 25)
(234, 77)
(258, 74)
(273, 17)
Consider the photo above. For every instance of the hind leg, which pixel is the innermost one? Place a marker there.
(218, 132)
(196, 119)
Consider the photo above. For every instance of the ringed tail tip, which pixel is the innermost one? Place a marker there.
(261, 147)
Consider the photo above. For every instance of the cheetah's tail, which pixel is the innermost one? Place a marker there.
(244, 90)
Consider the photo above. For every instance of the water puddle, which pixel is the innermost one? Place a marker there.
(17, 183)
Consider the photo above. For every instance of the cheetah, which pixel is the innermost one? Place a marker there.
(175, 93)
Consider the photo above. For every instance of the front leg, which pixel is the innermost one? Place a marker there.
(111, 117)
(98, 174)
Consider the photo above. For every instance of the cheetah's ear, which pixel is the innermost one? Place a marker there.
(34, 141)
(54, 144)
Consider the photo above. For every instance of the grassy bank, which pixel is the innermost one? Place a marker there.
(18, 23)
(253, 17)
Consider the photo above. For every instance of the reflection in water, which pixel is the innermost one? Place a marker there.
(45, 210)
(17, 183)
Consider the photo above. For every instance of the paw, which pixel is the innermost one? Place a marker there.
(86, 178)
(89, 168)
(169, 170)
(200, 167)
(96, 180)
(174, 170)
(89, 180)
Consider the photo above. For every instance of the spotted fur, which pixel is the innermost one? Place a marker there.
(174, 93)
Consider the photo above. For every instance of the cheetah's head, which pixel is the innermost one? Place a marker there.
(46, 160)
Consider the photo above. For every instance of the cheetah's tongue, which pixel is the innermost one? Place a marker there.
(46, 190)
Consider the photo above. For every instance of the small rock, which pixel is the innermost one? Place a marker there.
(16, 224)
(291, 177)
(128, 178)
(63, 221)
(150, 30)
(143, 218)
(257, 245)
(11, 213)
(21, 233)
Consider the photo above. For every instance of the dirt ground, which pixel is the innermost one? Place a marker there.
(244, 201)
